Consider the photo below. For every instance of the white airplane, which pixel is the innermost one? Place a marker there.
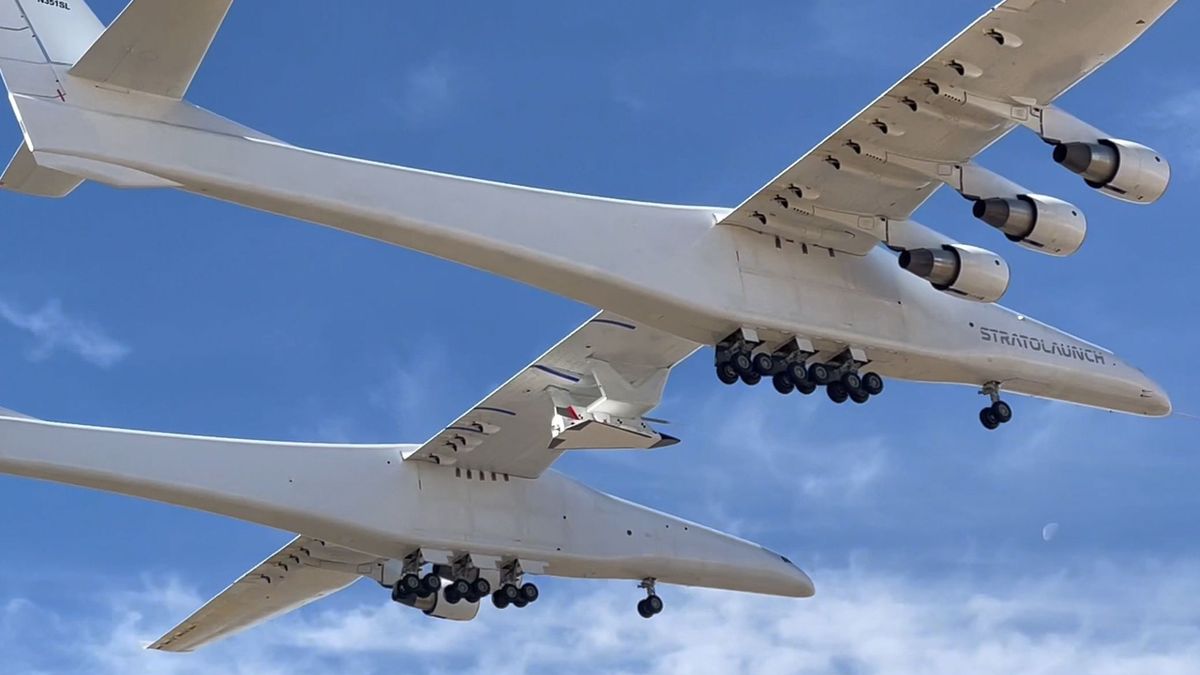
(799, 284)
(474, 507)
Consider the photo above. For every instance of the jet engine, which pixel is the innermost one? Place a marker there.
(1037, 222)
(966, 271)
(1120, 169)
(436, 606)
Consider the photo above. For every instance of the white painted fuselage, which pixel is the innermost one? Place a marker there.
(366, 498)
(670, 266)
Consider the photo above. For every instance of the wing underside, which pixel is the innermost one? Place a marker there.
(303, 571)
(591, 391)
(1022, 53)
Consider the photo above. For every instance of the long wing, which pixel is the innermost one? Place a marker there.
(591, 391)
(1022, 51)
(298, 574)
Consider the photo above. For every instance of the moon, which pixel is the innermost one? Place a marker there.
(1049, 531)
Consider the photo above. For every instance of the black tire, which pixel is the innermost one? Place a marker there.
(471, 597)
(398, 594)
(451, 595)
(751, 379)
(872, 383)
(430, 583)
(499, 601)
(819, 373)
(783, 384)
(1002, 411)
(461, 587)
(411, 583)
(988, 419)
(727, 374)
(481, 587)
(510, 592)
(806, 388)
(530, 593)
(797, 373)
(742, 364)
(837, 392)
(519, 603)
(644, 609)
(764, 363)
(859, 396)
(852, 381)
(655, 604)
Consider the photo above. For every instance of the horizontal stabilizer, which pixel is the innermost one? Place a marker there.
(155, 46)
(25, 176)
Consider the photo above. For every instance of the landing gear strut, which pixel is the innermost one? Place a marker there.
(468, 584)
(651, 605)
(998, 412)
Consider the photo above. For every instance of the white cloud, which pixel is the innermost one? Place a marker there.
(54, 330)
(1108, 619)
(427, 91)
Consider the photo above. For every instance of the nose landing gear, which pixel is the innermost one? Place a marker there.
(998, 412)
(651, 605)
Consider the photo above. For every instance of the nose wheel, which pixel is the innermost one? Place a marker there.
(652, 605)
(999, 412)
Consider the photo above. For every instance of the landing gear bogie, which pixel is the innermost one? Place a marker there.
(999, 412)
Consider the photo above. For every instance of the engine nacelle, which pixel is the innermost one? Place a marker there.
(1120, 169)
(1037, 222)
(966, 271)
(436, 606)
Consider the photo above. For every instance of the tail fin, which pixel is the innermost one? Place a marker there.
(58, 51)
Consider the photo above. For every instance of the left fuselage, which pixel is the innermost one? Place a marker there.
(368, 499)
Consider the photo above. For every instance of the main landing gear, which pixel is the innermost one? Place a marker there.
(741, 358)
(512, 592)
(998, 412)
(652, 605)
(412, 584)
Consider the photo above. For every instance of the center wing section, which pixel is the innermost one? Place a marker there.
(590, 392)
(851, 189)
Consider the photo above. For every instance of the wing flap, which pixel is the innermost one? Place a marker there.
(286, 581)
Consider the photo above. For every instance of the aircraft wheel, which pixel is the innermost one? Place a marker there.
(644, 610)
(751, 378)
(727, 373)
(530, 593)
(837, 392)
(452, 595)
(989, 420)
(852, 381)
(742, 364)
(797, 373)
(859, 396)
(398, 594)
(411, 583)
(783, 384)
(1002, 411)
(806, 388)
(764, 363)
(819, 373)
(872, 383)
(519, 603)
(481, 587)
(499, 601)
(430, 584)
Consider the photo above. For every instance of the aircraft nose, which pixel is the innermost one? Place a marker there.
(1158, 402)
(796, 583)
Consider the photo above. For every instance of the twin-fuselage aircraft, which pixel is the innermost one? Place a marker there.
(822, 279)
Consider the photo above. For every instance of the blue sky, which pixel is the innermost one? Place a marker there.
(163, 311)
